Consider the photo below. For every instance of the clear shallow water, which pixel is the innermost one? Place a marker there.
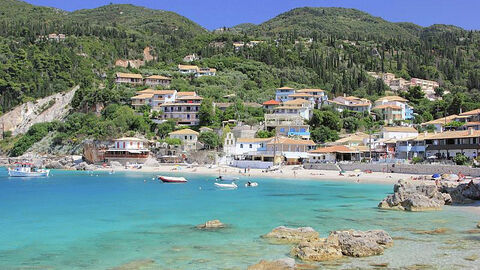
(75, 220)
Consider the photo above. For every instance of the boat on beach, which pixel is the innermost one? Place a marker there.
(231, 185)
(171, 179)
(27, 170)
(227, 178)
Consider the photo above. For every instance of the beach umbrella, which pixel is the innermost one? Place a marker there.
(436, 175)
(357, 170)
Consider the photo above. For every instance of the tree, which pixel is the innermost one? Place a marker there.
(209, 139)
(328, 119)
(265, 134)
(460, 159)
(166, 127)
(206, 114)
(324, 134)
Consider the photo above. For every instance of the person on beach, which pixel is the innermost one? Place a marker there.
(295, 174)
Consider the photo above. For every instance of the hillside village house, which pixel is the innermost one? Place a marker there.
(156, 80)
(282, 93)
(394, 108)
(128, 150)
(153, 98)
(206, 72)
(188, 137)
(318, 96)
(229, 143)
(184, 110)
(301, 131)
(190, 58)
(351, 103)
(134, 79)
(245, 145)
(195, 70)
(332, 154)
(270, 105)
(398, 132)
(301, 111)
(424, 84)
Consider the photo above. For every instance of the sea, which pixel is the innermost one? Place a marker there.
(130, 220)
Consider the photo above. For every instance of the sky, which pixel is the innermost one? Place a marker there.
(213, 14)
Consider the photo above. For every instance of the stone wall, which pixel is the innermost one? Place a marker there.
(427, 169)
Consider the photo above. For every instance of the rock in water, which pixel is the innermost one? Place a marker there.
(478, 224)
(361, 244)
(284, 234)
(412, 197)
(281, 264)
(325, 249)
(211, 224)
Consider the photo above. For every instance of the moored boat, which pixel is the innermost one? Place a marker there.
(232, 185)
(171, 179)
(226, 178)
(27, 170)
(251, 184)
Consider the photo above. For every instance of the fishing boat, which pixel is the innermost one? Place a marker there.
(231, 185)
(27, 170)
(171, 179)
(226, 178)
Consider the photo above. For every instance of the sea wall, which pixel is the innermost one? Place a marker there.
(399, 168)
(322, 166)
(251, 164)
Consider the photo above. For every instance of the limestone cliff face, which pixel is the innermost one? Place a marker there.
(22, 117)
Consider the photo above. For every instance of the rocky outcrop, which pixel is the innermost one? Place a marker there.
(324, 249)
(211, 224)
(151, 162)
(85, 167)
(22, 117)
(412, 197)
(284, 234)
(350, 243)
(478, 225)
(361, 244)
(464, 193)
(281, 264)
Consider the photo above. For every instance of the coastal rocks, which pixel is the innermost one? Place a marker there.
(325, 249)
(151, 162)
(211, 224)
(54, 165)
(280, 264)
(411, 197)
(361, 244)
(114, 164)
(284, 234)
(350, 243)
(85, 167)
(478, 225)
(465, 193)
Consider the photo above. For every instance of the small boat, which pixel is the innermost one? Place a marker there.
(171, 179)
(251, 184)
(227, 178)
(27, 170)
(232, 185)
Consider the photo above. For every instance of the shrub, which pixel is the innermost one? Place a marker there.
(460, 159)
(416, 160)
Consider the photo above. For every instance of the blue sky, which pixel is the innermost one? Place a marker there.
(212, 14)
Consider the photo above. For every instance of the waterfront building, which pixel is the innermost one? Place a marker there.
(301, 131)
(128, 150)
(332, 154)
(294, 151)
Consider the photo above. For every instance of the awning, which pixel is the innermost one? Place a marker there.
(296, 155)
(135, 151)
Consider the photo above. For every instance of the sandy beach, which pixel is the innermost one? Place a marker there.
(290, 172)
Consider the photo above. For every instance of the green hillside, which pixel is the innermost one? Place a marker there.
(340, 22)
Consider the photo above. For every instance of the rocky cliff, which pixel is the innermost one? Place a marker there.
(21, 118)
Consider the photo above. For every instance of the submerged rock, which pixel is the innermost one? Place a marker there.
(361, 244)
(478, 224)
(280, 264)
(211, 224)
(432, 232)
(411, 197)
(344, 243)
(135, 265)
(319, 250)
(284, 234)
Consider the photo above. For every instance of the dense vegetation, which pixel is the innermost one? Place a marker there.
(328, 48)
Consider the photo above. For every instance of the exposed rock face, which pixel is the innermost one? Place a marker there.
(411, 197)
(478, 224)
(85, 167)
(281, 264)
(318, 250)
(211, 224)
(283, 234)
(344, 243)
(361, 244)
(22, 117)
(463, 193)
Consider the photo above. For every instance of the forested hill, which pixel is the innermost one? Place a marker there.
(340, 22)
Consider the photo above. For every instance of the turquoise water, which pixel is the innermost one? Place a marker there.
(79, 220)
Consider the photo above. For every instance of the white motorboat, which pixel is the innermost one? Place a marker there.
(227, 178)
(27, 170)
(232, 185)
(251, 184)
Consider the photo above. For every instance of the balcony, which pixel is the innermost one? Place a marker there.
(298, 133)
(453, 146)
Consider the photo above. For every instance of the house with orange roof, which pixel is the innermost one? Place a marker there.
(188, 137)
(351, 103)
(155, 80)
(294, 151)
(331, 154)
(270, 104)
(153, 98)
(394, 108)
(130, 78)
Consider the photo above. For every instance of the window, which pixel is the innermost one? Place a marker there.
(241, 145)
(186, 137)
(292, 129)
(250, 146)
(282, 129)
(191, 137)
(303, 130)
